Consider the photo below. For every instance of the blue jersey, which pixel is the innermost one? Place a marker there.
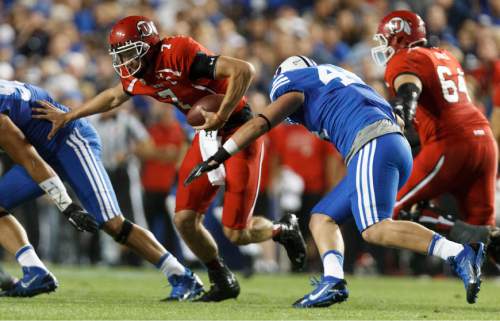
(16, 101)
(337, 103)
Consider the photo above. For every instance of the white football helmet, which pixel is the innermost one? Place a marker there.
(294, 62)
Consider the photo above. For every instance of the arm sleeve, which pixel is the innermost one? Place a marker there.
(203, 66)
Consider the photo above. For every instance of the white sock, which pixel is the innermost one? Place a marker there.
(170, 266)
(27, 257)
(444, 248)
(332, 264)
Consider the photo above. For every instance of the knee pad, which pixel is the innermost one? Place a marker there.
(124, 232)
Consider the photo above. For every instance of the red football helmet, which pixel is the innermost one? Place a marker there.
(398, 30)
(129, 41)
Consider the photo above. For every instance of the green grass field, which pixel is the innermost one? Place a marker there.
(105, 293)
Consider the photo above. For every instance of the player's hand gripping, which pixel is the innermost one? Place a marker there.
(80, 219)
(201, 168)
(213, 121)
(407, 114)
(49, 112)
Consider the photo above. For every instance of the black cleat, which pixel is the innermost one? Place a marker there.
(7, 282)
(493, 246)
(223, 286)
(291, 238)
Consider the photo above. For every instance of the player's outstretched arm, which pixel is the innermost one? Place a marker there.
(275, 113)
(239, 74)
(106, 100)
(13, 142)
(23, 153)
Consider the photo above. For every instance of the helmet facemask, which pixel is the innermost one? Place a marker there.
(127, 59)
(383, 52)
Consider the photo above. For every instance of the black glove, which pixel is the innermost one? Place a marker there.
(80, 219)
(201, 168)
(398, 108)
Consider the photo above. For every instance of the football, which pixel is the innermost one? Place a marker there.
(208, 103)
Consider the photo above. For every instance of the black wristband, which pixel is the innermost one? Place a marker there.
(220, 156)
(269, 126)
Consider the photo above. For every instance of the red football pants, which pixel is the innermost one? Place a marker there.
(467, 169)
(242, 184)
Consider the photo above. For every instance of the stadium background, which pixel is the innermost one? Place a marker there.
(61, 45)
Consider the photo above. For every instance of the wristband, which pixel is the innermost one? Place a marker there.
(231, 147)
(269, 126)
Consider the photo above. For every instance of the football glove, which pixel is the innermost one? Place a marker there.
(397, 107)
(201, 168)
(404, 103)
(80, 219)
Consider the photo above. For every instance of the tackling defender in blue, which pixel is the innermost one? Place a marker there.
(36, 278)
(340, 107)
(74, 153)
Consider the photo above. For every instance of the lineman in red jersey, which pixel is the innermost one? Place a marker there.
(179, 71)
(458, 153)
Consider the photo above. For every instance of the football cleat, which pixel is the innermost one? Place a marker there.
(293, 241)
(467, 265)
(328, 291)
(493, 247)
(224, 285)
(184, 287)
(34, 281)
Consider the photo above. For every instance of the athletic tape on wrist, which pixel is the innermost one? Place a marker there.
(231, 147)
(55, 189)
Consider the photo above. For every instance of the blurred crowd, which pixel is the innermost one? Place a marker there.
(61, 45)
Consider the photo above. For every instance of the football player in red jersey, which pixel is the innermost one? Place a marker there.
(179, 71)
(458, 153)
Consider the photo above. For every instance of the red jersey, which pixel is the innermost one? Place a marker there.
(157, 175)
(169, 80)
(304, 153)
(444, 108)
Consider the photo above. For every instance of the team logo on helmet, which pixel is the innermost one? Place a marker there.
(397, 24)
(146, 28)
